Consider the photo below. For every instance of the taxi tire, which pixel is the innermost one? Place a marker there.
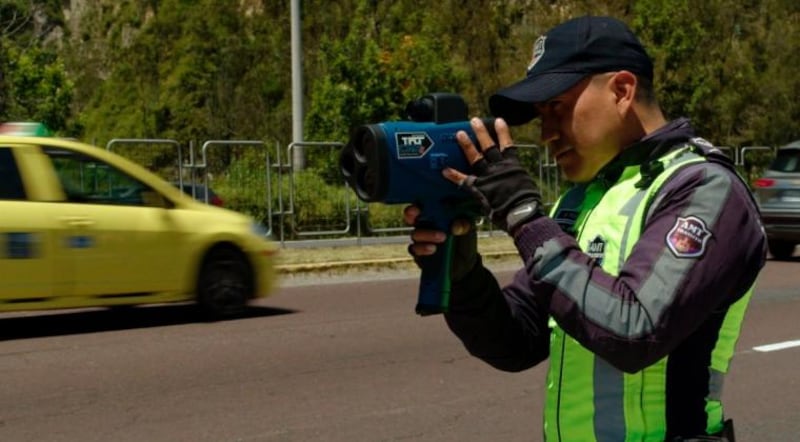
(224, 285)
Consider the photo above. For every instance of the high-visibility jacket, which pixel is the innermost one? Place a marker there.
(588, 399)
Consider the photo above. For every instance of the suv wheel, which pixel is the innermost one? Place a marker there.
(781, 249)
(224, 284)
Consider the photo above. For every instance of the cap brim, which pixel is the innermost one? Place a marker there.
(514, 103)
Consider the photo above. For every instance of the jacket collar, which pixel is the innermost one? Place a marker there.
(671, 136)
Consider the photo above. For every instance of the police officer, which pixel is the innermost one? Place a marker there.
(636, 284)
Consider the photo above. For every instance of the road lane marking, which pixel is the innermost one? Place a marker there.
(777, 346)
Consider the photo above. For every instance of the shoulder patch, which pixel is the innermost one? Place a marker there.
(688, 237)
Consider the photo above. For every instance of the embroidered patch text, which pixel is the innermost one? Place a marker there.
(688, 237)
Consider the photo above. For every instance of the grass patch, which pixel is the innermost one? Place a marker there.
(384, 254)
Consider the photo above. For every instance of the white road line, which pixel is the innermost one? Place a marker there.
(777, 346)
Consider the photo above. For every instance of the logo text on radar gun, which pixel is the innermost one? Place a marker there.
(412, 144)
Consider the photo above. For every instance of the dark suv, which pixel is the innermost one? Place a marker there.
(778, 195)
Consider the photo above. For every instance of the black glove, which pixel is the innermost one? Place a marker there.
(507, 193)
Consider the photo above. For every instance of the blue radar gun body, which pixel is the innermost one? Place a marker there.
(401, 162)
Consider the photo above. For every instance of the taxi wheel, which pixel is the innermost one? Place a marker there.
(224, 284)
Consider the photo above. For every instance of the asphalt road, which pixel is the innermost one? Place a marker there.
(324, 361)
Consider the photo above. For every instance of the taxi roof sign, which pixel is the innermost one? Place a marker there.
(25, 128)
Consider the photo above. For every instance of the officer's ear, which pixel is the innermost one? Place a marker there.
(623, 86)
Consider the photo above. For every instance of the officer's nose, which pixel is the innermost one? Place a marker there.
(550, 133)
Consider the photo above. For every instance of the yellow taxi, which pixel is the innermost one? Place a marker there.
(83, 227)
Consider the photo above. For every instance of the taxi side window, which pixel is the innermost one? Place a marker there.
(89, 180)
(11, 187)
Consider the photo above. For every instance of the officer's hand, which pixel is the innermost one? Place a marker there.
(503, 187)
(424, 243)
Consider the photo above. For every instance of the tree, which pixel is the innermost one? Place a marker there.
(380, 65)
(725, 65)
(33, 82)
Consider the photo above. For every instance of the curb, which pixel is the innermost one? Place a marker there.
(331, 265)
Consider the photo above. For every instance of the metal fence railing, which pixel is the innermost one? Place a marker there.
(274, 184)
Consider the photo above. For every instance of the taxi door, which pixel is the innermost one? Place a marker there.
(30, 269)
(121, 244)
(121, 250)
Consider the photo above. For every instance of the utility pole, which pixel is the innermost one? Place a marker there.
(298, 156)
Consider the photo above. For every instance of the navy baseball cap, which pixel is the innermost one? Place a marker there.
(565, 55)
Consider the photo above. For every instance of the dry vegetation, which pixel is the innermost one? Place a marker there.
(292, 260)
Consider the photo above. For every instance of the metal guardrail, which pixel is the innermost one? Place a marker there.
(231, 143)
(318, 232)
(283, 171)
(741, 153)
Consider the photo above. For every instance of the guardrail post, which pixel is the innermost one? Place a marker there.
(303, 145)
(232, 143)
